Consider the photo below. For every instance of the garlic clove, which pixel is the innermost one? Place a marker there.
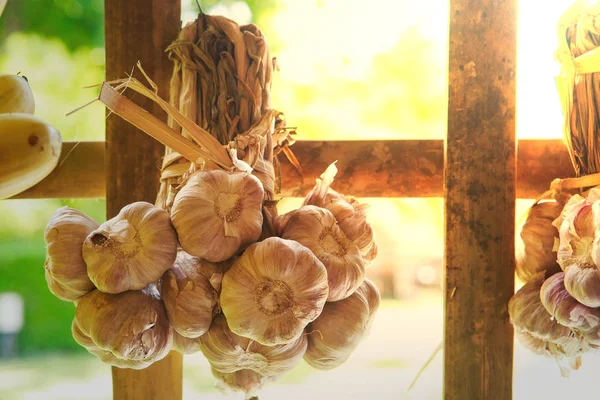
(273, 291)
(131, 250)
(316, 229)
(217, 213)
(565, 308)
(245, 380)
(535, 250)
(185, 345)
(228, 352)
(103, 355)
(340, 328)
(132, 325)
(65, 269)
(189, 293)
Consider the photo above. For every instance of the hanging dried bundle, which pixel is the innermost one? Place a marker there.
(132, 325)
(217, 213)
(316, 228)
(273, 291)
(66, 272)
(537, 330)
(577, 253)
(535, 251)
(228, 352)
(340, 328)
(350, 214)
(131, 250)
(190, 291)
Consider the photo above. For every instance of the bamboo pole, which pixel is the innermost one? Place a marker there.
(479, 190)
(139, 30)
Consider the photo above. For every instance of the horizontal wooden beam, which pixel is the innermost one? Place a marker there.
(394, 168)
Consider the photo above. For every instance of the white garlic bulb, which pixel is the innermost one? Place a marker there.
(66, 272)
(245, 380)
(190, 291)
(339, 329)
(217, 213)
(185, 345)
(350, 214)
(228, 352)
(316, 228)
(131, 250)
(132, 325)
(535, 252)
(578, 252)
(273, 291)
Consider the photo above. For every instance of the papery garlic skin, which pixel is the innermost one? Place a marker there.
(370, 292)
(535, 252)
(228, 352)
(132, 325)
(131, 250)
(185, 345)
(565, 308)
(534, 324)
(217, 213)
(578, 250)
(190, 291)
(316, 228)
(245, 380)
(273, 291)
(103, 355)
(338, 331)
(65, 269)
(350, 214)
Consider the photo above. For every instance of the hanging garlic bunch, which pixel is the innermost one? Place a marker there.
(273, 291)
(217, 213)
(190, 291)
(66, 272)
(132, 325)
(537, 330)
(316, 228)
(535, 250)
(350, 214)
(131, 250)
(578, 253)
(341, 327)
(228, 352)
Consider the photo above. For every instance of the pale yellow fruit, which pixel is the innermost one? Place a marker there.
(29, 151)
(15, 94)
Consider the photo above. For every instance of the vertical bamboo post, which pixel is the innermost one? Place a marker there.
(139, 30)
(479, 190)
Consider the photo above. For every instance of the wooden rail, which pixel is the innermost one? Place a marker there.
(394, 168)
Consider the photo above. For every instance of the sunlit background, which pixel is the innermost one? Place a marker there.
(349, 69)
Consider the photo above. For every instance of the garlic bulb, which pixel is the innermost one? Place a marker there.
(316, 229)
(350, 214)
(273, 291)
(131, 250)
(185, 345)
(535, 324)
(535, 252)
(578, 253)
(245, 380)
(132, 325)
(66, 272)
(562, 306)
(337, 332)
(190, 291)
(103, 355)
(217, 213)
(373, 297)
(228, 352)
